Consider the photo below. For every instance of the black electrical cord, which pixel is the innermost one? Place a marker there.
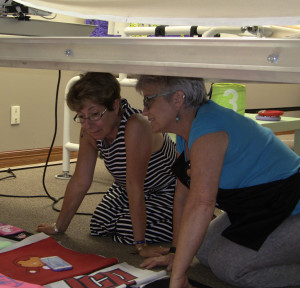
(9, 171)
(77, 213)
(54, 137)
(50, 150)
(13, 175)
(55, 201)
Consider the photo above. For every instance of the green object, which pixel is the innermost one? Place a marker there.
(173, 137)
(229, 95)
(4, 244)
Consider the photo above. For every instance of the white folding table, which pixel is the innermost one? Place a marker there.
(285, 124)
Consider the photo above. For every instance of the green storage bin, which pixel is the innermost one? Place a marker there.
(229, 95)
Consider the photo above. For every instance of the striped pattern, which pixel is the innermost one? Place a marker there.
(112, 216)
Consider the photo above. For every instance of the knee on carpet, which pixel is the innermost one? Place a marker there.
(229, 270)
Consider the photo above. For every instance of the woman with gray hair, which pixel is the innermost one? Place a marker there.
(229, 161)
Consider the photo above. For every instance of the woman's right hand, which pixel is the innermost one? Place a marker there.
(46, 228)
(153, 251)
(164, 260)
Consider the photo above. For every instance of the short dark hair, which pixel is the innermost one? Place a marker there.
(100, 88)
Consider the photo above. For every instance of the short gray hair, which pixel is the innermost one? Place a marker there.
(193, 88)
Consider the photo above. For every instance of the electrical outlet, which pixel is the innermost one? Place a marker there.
(15, 115)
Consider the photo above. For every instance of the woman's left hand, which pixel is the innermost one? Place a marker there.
(153, 251)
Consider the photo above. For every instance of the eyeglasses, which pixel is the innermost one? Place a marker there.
(149, 98)
(92, 117)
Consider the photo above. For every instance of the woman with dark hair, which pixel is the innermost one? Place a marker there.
(137, 208)
(229, 161)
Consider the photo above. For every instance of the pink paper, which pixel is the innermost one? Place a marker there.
(8, 282)
(9, 230)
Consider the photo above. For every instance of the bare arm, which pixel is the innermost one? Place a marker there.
(138, 139)
(77, 186)
(207, 155)
(140, 143)
(181, 193)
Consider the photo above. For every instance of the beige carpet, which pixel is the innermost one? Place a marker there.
(27, 213)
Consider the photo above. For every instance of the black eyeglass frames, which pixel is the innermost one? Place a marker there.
(147, 99)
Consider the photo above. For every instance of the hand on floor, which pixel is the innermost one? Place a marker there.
(163, 260)
(46, 228)
(153, 251)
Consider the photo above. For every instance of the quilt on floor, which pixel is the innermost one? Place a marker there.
(22, 261)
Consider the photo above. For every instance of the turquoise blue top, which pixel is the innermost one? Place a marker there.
(254, 155)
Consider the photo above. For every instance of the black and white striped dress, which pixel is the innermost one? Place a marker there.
(112, 216)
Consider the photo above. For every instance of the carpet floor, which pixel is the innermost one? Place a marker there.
(28, 212)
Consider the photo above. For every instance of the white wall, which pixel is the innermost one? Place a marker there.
(34, 91)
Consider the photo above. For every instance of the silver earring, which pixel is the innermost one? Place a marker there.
(177, 118)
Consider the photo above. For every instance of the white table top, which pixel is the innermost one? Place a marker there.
(285, 124)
